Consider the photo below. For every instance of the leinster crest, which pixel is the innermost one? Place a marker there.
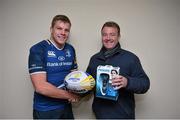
(68, 53)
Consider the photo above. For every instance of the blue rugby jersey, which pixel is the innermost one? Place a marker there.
(56, 63)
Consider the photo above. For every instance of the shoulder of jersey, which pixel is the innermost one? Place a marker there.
(69, 45)
(42, 43)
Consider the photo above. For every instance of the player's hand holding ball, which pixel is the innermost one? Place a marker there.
(79, 82)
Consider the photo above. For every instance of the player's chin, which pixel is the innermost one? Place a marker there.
(61, 41)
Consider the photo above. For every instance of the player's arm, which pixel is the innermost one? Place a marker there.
(41, 86)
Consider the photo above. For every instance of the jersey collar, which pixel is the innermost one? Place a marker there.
(52, 42)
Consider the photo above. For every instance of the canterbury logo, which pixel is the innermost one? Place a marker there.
(51, 54)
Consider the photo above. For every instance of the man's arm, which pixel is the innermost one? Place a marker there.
(41, 86)
(138, 82)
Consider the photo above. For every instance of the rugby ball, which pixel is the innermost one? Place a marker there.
(79, 82)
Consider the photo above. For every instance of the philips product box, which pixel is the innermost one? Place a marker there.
(104, 88)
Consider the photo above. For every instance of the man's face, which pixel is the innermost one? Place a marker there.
(60, 32)
(113, 74)
(110, 37)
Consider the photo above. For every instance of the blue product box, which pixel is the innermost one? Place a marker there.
(104, 88)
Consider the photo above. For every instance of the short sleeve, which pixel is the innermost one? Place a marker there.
(36, 62)
(75, 65)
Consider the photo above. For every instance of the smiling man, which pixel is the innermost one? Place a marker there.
(132, 78)
(49, 62)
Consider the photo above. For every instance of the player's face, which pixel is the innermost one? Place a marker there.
(60, 32)
(110, 37)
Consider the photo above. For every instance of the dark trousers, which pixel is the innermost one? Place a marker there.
(65, 113)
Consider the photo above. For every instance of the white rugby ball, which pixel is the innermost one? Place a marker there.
(79, 82)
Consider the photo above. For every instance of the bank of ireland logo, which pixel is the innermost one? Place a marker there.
(68, 53)
(61, 58)
(51, 54)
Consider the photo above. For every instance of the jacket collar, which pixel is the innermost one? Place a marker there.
(105, 54)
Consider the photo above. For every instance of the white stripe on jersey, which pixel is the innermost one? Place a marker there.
(54, 44)
(38, 72)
